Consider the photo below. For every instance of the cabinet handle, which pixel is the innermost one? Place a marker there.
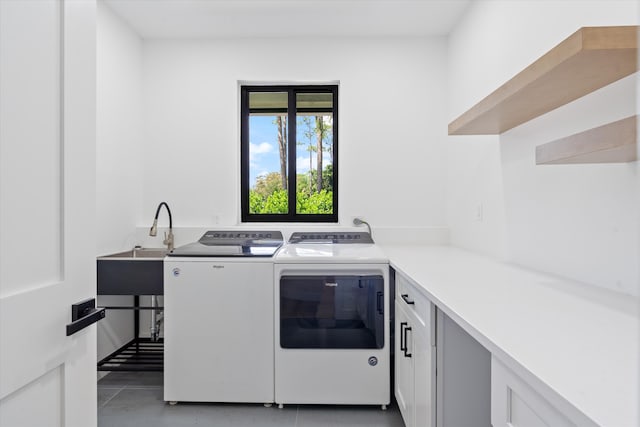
(402, 345)
(406, 346)
(405, 298)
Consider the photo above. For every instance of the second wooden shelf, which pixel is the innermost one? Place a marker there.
(612, 143)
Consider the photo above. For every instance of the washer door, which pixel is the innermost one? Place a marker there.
(332, 312)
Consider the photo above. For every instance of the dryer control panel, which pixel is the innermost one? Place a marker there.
(336, 238)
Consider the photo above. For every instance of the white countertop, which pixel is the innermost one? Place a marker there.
(574, 341)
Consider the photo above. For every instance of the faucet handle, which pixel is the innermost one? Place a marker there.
(168, 240)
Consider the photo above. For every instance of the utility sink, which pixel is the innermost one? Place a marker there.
(135, 272)
(158, 253)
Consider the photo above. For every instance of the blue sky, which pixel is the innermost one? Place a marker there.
(263, 150)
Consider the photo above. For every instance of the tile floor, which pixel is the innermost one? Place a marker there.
(135, 399)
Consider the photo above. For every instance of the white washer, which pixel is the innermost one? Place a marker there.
(218, 299)
(332, 321)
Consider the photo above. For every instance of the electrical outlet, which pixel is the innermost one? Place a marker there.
(356, 216)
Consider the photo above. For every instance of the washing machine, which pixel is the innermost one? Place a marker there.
(218, 311)
(332, 320)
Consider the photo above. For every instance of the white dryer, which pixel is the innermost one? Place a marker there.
(332, 320)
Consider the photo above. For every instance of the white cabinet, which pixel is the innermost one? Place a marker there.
(514, 347)
(515, 403)
(427, 342)
(424, 374)
(414, 355)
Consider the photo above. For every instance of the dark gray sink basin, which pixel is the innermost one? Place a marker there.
(135, 272)
(158, 253)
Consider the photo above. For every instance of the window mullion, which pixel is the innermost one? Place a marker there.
(291, 152)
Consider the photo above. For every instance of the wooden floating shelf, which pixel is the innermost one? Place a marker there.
(612, 143)
(589, 59)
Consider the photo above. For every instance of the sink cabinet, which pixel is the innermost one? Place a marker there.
(136, 272)
(129, 277)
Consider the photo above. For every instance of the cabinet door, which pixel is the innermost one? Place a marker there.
(515, 404)
(417, 313)
(404, 374)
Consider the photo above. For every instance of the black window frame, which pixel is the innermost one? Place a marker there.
(245, 112)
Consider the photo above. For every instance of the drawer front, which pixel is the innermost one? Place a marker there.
(414, 301)
(514, 403)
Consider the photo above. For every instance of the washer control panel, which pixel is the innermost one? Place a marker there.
(241, 238)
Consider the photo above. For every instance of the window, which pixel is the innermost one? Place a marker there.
(289, 153)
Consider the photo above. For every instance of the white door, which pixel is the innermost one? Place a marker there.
(47, 211)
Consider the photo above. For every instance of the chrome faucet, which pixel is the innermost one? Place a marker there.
(168, 238)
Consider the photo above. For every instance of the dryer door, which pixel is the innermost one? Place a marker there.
(332, 312)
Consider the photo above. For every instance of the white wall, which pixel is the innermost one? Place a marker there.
(119, 166)
(392, 135)
(578, 221)
(120, 138)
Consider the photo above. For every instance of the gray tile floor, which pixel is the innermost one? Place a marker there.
(135, 399)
